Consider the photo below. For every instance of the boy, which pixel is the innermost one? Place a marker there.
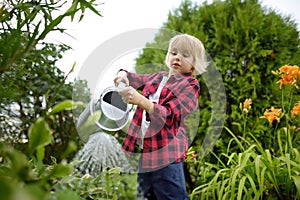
(157, 127)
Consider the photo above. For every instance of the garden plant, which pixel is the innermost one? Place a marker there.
(258, 170)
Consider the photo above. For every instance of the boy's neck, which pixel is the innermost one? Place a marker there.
(171, 73)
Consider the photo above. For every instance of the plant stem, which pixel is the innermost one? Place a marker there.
(282, 101)
(289, 142)
(291, 98)
(244, 128)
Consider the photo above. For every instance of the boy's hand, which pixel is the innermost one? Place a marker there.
(121, 77)
(130, 95)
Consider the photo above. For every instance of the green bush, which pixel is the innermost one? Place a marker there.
(28, 177)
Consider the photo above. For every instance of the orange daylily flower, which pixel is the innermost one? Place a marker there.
(296, 109)
(289, 75)
(272, 114)
(191, 155)
(194, 156)
(247, 105)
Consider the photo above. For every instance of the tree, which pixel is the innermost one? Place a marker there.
(31, 84)
(31, 93)
(26, 23)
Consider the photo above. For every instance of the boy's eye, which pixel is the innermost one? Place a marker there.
(186, 55)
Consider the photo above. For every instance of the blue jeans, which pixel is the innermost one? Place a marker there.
(163, 184)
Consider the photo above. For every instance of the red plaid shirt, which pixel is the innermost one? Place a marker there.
(165, 140)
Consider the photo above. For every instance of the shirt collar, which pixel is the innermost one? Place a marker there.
(163, 73)
(181, 76)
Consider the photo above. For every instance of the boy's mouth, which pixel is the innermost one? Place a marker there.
(176, 64)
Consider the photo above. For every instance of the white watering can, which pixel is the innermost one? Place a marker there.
(114, 112)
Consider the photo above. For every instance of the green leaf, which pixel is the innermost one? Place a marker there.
(225, 184)
(234, 178)
(51, 26)
(6, 188)
(72, 147)
(18, 162)
(89, 126)
(39, 135)
(253, 184)
(60, 171)
(231, 158)
(297, 184)
(241, 187)
(65, 105)
(90, 6)
(236, 139)
(40, 153)
(72, 10)
(116, 170)
(32, 40)
(288, 163)
(258, 166)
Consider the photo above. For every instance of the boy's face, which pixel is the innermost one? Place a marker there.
(180, 61)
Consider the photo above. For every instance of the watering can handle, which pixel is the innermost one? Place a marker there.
(121, 85)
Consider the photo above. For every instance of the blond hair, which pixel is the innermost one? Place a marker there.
(194, 46)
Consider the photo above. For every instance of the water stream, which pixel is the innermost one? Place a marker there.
(101, 152)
